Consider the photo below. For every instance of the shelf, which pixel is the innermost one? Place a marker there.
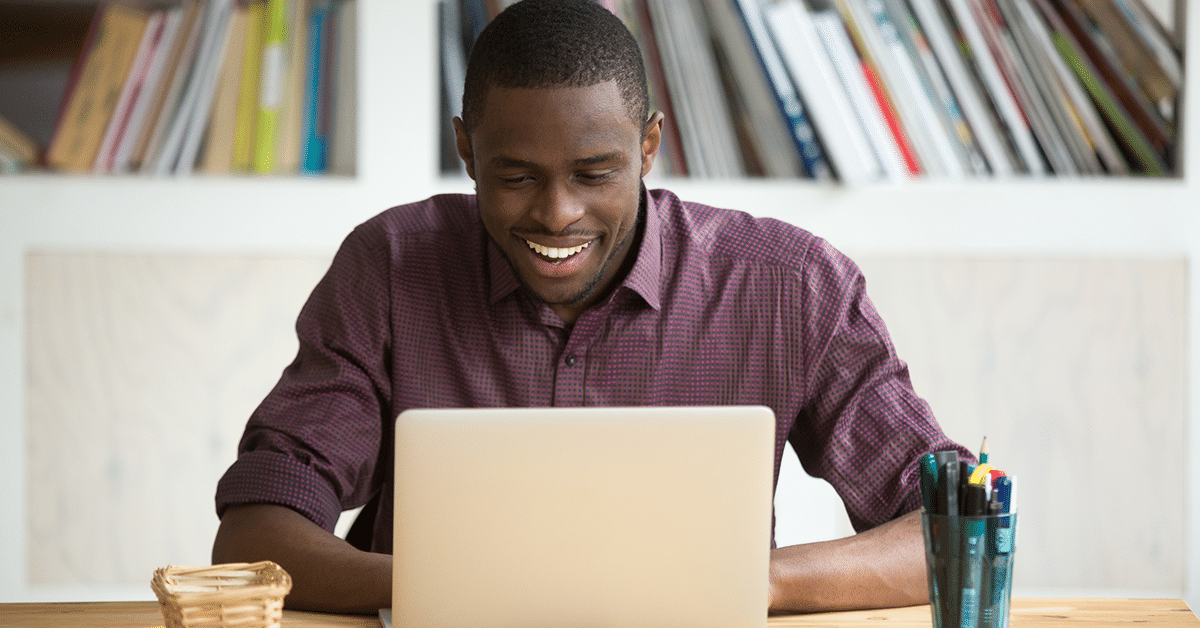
(1050, 217)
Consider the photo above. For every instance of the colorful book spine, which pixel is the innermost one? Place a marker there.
(316, 100)
(270, 95)
(248, 98)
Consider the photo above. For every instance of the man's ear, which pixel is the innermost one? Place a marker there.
(463, 143)
(651, 141)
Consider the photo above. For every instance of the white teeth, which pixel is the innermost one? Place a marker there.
(556, 253)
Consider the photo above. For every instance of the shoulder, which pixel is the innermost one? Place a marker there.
(742, 238)
(437, 217)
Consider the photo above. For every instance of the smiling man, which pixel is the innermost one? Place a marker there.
(564, 281)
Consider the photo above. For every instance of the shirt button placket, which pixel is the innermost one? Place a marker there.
(568, 383)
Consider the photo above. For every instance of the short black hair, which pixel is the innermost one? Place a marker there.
(555, 43)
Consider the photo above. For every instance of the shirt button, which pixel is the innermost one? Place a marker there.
(572, 359)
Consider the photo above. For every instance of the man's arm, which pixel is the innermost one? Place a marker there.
(328, 574)
(877, 568)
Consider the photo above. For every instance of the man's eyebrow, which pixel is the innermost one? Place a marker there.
(598, 159)
(512, 162)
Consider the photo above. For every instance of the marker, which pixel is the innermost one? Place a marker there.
(928, 466)
(950, 534)
(940, 458)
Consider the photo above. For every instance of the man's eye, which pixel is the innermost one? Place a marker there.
(595, 177)
(515, 180)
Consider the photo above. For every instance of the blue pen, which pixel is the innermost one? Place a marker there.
(974, 508)
(1001, 550)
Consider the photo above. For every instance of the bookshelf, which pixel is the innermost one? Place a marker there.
(397, 149)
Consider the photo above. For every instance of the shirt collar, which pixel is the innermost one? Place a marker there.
(644, 278)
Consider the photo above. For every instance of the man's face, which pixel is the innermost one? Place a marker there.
(557, 173)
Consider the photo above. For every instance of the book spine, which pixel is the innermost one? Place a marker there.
(248, 92)
(788, 99)
(270, 94)
(862, 96)
(315, 136)
(810, 67)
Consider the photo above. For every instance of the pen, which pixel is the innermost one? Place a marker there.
(974, 507)
(948, 487)
(1001, 547)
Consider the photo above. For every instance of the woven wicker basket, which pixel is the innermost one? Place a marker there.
(248, 595)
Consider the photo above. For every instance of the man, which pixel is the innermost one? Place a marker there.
(563, 281)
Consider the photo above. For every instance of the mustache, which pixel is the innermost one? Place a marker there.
(526, 232)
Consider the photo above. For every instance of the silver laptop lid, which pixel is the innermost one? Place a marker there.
(583, 517)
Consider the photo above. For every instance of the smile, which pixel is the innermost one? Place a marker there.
(554, 252)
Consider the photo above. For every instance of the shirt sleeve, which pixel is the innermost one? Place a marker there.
(314, 443)
(862, 427)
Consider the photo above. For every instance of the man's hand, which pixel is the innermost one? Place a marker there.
(328, 574)
(881, 567)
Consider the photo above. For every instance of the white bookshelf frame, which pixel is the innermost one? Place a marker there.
(397, 163)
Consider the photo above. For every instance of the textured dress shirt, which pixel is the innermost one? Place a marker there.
(420, 309)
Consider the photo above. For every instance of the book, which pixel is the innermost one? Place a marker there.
(171, 106)
(1096, 137)
(20, 149)
(975, 49)
(91, 100)
(1142, 155)
(1156, 37)
(119, 120)
(994, 140)
(317, 95)
(902, 81)
(271, 86)
(934, 80)
(217, 154)
(842, 136)
(343, 143)
(871, 74)
(290, 141)
(1108, 70)
(706, 133)
(182, 144)
(453, 75)
(787, 99)
(248, 95)
(1135, 55)
(766, 127)
(133, 140)
(1054, 127)
(862, 95)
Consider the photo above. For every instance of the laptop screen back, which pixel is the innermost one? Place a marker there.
(583, 517)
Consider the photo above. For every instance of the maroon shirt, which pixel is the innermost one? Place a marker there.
(419, 309)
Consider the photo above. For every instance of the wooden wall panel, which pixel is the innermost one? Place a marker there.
(1075, 371)
(143, 369)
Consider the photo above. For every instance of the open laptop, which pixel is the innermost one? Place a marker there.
(583, 517)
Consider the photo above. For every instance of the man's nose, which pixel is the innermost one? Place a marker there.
(558, 207)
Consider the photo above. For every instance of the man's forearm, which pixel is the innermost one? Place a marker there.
(882, 567)
(328, 574)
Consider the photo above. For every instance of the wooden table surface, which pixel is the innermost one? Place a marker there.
(1026, 613)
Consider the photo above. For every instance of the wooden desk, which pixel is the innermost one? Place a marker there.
(1026, 613)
